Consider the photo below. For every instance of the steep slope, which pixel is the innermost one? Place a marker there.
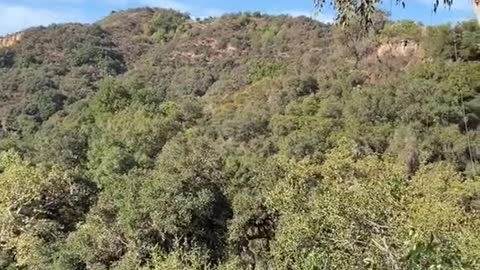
(51, 67)
(151, 141)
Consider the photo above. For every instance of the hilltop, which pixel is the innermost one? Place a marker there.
(148, 140)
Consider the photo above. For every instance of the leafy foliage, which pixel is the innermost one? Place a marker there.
(150, 141)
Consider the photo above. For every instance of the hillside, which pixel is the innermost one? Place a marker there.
(149, 140)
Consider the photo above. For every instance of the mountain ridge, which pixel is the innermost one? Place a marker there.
(151, 141)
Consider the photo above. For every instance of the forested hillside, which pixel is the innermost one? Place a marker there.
(149, 140)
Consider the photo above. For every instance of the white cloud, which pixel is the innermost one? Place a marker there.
(14, 18)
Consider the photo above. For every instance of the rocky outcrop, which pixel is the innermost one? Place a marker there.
(10, 40)
(403, 48)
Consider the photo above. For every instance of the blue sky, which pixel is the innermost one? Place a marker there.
(16, 15)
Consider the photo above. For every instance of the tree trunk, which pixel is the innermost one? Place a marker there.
(476, 9)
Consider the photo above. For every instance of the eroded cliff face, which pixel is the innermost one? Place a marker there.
(10, 40)
(403, 48)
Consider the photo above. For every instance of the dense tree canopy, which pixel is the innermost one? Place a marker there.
(152, 141)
